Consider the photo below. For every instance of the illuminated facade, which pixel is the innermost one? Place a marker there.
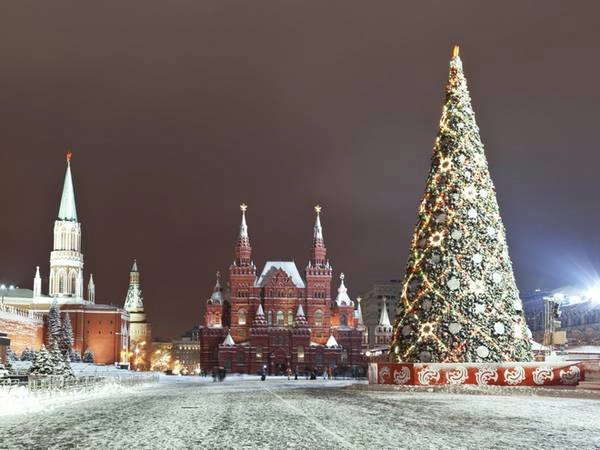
(279, 319)
(103, 329)
(140, 338)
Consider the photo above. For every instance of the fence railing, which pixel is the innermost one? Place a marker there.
(57, 383)
(14, 311)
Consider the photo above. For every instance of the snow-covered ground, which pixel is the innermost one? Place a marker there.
(243, 412)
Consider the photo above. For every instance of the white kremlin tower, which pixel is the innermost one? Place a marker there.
(139, 329)
(66, 259)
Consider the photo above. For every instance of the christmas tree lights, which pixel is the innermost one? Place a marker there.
(459, 302)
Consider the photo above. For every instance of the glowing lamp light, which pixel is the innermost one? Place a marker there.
(593, 293)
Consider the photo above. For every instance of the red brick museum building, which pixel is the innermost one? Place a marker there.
(278, 319)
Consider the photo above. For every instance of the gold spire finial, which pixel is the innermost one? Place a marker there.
(69, 155)
(243, 207)
(455, 51)
(318, 209)
(342, 276)
(358, 299)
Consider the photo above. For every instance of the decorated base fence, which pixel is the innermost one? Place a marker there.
(499, 374)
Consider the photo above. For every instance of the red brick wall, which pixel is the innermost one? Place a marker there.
(97, 330)
(21, 330)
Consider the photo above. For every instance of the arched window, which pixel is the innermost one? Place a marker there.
(61, 282)
(270, 317)
(242, 317)
(73, 283)
(343, 320)
(290, 318)
(280, 318)
(318, 317)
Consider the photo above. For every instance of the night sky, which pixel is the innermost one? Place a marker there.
(176, 112)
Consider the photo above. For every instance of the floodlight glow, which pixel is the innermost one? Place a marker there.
(593, 293)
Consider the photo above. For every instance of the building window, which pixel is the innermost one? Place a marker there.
(270, 318)
(73, 282)
(290, 318)
(344, 320)
(227, 363)
(318, 317)
(258, 352)
(242, 317)
(300, 353)
(240, 357)
(280, 318)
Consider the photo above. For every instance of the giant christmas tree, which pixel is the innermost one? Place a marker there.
(459, 301)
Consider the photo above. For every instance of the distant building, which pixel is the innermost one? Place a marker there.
(278, 319)
(140, 336)
(104, 329)
(387, 293)
(579, 315)
(185, 354)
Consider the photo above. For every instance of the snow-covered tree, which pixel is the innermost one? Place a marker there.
(88, 356)
(75, 356)
(459, 300)
(58, 360)
(66, 338)
(11, 355)
(54, 324)
(67, 369)
(27, 354)
(42, 363)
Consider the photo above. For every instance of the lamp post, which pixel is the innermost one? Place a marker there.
(4, 289)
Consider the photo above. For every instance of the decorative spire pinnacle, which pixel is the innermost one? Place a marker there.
(217, 295)
(259, 317)
(260, 311)
(134, 302)
(67, 210)
(243, 226)
(318, 234)
(229, 342)
(300, 319)
(359, 312)
(218, 283)
(384, 319)
(91, 289)
(342, 298)
(331, 342)
(455, 51)
(37, 283)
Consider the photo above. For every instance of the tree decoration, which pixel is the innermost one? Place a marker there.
(459, 302)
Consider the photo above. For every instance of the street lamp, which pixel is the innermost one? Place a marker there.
(4, 289)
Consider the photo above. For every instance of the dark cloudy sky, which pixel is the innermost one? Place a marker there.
(178, 111)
